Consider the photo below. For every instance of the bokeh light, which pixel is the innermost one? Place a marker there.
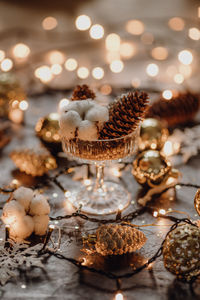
(98, 73)
(152, 70)
(83, 72)
(49, 23)
(119, 296)
(127, 50)
(112, 55)
(185, 57)
(178, 78)
(167, 94)
(116, 66)
(135, 27)
(23, 105)
(83, 22)
(71, 64)
(159, 53)
(185, 70)
(176, 24)
(63, 102)
(6, 64)
(56, 57)
(106, 89)
(2, 55)
(56, 69)
(96, 32)
(113, 42)
(21, 50)
(194, 33)
(44, 74)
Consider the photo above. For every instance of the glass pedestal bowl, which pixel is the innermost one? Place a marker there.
(101, 197)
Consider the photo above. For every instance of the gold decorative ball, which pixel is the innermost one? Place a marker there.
(197, 201)
(181, 251)
(150, 168)
(152, 135)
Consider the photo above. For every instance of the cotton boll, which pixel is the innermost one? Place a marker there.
(97, 113)
(39, 206)
(22, 227)
(12, 211)
(72, 105)
(84, 106)
(23, 196)
(40, 224)
(87, 131)
(68, 123)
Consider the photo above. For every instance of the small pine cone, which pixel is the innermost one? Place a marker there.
(118, 239)
(82, 92)
(178, 110)
(124, 115)
(33, 162)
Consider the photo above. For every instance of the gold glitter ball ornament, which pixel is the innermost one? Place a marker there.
(181, 251)
(152, 135)
(197, 201)
(35, 162)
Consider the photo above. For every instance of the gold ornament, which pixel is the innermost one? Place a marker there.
(197, 201)
(33, 162)
(116, 239)
(152, 135)
(47, 129)
(11, 97)
(181, 251)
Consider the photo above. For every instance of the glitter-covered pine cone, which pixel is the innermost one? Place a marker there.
(124, 115)
(82, 92)
(118, 239)
(181, 251)
(35, 162)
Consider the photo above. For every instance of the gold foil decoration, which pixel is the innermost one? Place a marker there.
(197, 201)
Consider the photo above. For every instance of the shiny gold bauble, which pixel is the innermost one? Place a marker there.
(197, 201)
(11, 94)
(181, 251)
(151, 168)
(47, 129)
(152, 135)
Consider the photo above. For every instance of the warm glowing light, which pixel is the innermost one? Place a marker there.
(185, 57)
(127, 50)
(2, 55)
(167, 94)
(116, 66)
(96, 32)
(67, 194)
(155, 214)
(119, 296)
(106, 89)
(176, 24)
(159, 53)
(87, 182)
(112, 55)
(120, 206)
(152, 70)
(83, 22)
(15, 104)
(63, 102)
(135, 27)
(168, 148)
(178, 78)
(147, 38)
(115, 172)
(56, 69)
(162, 211)
(194, 33)
(21, 50)
(49, 23)
(185, 70)
(112, 42)
(71, 64)
(135, 82)
(23, 105)
(98, 73)
(6, 64)
(56, 57)
(44, 73)
(83, 72)
(15, 182)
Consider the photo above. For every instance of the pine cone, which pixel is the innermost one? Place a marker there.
(33, 162)
(82, 92)
(124, 115)
(118, 239)
(178, 110)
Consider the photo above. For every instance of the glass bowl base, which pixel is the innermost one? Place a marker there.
(100, 201)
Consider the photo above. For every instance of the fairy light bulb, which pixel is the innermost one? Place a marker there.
(127, 50)
(56, 57)
(44, 74)
(23, 105)
(119, 296)
(96, 32)
(176, 24)
(21, 50)
(83, 22)
(116, 66)
(83, 72)
(98, 73)
(167, 94)
(2, 55)
(159, 53)
(71, 64)
(185, 57)
(49, 23)
(152, 70)
(113, 42)
(56, 69)
(135, 27)
(178, 78)
(194, 33)
(6, 64)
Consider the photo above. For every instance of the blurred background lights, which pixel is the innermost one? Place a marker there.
(112, 55)
(21, 50)
(83, 22)
(194, 33)
(178, 78)
(2, 55)
(113, 42)
(6, 64)
(176, 24)
(71, 64)
(171, 71)
(167, 94)
(83, 72)
(185, 57)
(23, 105)
(152, 70)
(56, 69)
(159, 53)
(44, 74)
(116, 66)
(135, 27)
(96, 31)
(119, 296)
(127, 50)
(185, 70)
(56, 57)
(98, 73)
(49, 23)
(106, 89)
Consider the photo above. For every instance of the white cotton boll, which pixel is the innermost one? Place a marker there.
(97, 113)
(84, 106)
(23, 196)
(72, 105)
(40, 224)
(68, 123)
(39, 206)
(87, 131)
(22, 228)
(11, 211)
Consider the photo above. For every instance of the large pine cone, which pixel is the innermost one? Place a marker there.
(82, 92)
(178, 110)
(181, 251)
(124, 115)
(118, 239)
